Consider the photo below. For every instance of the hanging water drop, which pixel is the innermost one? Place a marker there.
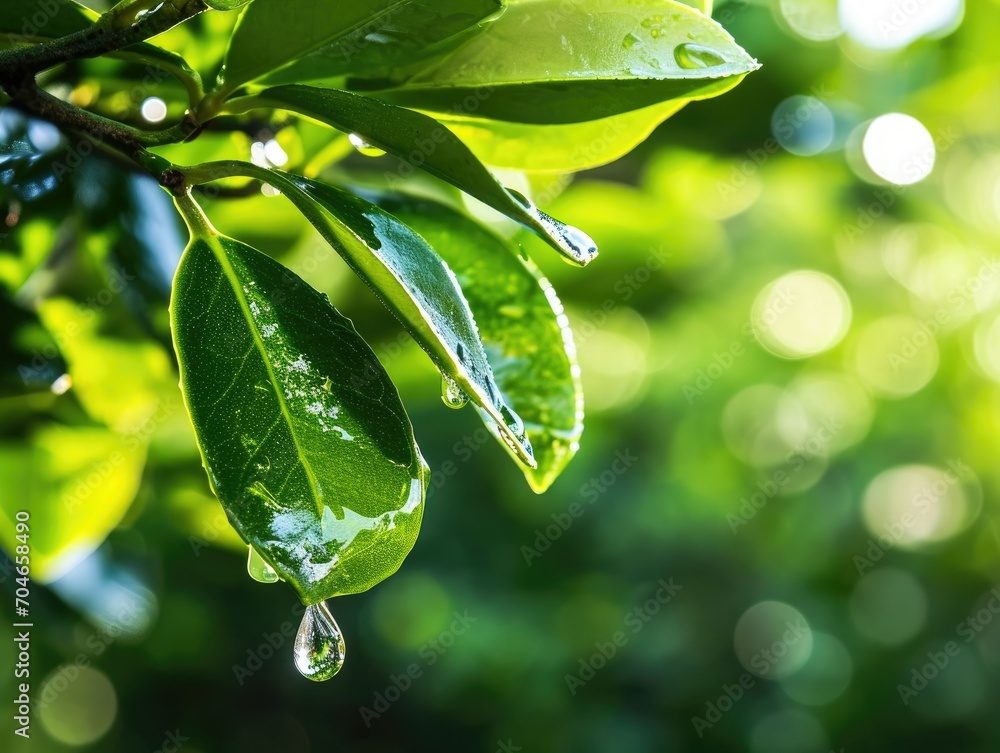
(694, 56)
(258, 568)
(364, 147)
(452, 394)
(319, 644)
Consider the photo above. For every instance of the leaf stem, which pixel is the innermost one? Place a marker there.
(113, 31)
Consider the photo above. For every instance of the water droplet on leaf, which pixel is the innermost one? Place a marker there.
(694, 56)
(319, 644)
(452, 394)
(258, 568)
(364, 147)
(630, 41)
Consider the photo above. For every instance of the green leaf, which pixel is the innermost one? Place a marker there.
(322, 478)
(358, 36)
(76, 483)
(522, 324)
(399, 38)
(226, 4)
(425, 143)
(413, 283)
(566, 61)
(26, 20)
(562, 148)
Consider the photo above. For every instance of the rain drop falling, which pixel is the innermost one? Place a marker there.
(259, 570)
(452, 394)
(319, 644)
(576, 246)
(694, 56)
(364, 147)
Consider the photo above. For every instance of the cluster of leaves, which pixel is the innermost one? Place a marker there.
(302, 433)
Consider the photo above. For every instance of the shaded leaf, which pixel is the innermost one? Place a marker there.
(564, 61)
(522, 324)
(427, 144)
(322, 478)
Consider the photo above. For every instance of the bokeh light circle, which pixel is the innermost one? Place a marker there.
(896, 356)
(888, 606)
(826, 675)
(154, 110)
(773, 640)
(801, 314)
(899, 149)
(914, 505)
(893, 24)
(816, 20)
(803, 125)
(77, 705)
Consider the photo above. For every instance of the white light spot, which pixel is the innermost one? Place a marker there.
(893, 24)
(61, 385)
(314, 408)
(899, 149)
(274, 154)
(269, 329)
(154, 110)
(801, 314)
(299, 364)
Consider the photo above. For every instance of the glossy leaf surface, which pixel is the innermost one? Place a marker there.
(398, 36)
(417, 286)
(331, 39)
(427, 144)
(521, 321)
(322, 478)
(563, 61)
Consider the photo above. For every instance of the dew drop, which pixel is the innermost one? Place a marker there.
(576, 246)
(452, 394)
(319, 644)
(694, 56)
(258, 568)
(364, 147)
(630, 41)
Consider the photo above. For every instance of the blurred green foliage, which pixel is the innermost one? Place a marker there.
(810, 457)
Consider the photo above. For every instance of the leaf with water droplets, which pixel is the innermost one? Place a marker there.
(427, 144)
(567, 61)
(305, 40)
(413, 283)
(323, 479)
(523, 327)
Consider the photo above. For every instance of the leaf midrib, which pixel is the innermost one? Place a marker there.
(227, 268)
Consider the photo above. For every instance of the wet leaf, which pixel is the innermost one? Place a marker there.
(565, 61)
(322, 478)
(523, 327)
(413, 282)
(359, 36)
(427, 144)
